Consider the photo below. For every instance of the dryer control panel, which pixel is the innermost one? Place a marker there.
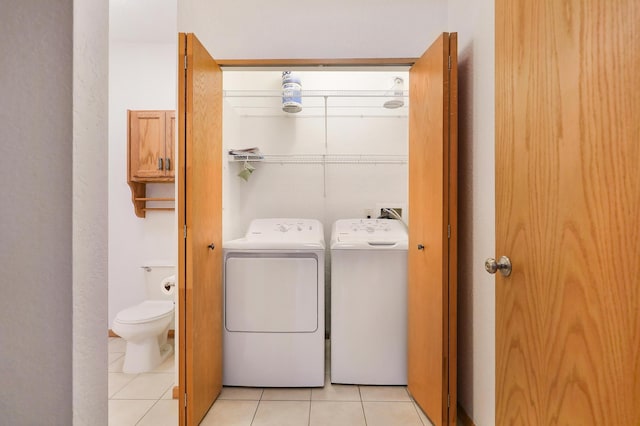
(309, 230)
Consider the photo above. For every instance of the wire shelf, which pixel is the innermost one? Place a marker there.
(321, 158)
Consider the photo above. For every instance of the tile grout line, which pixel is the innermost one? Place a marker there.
(253, 418)
(123, 386)
(132, 378)
(146, 412)
(364, 414)
(415, 407)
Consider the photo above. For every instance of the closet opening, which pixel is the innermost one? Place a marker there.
(342, 155)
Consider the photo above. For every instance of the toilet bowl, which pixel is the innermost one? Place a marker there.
(144, 327)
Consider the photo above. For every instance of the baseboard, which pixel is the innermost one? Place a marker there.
(463, 417)
(172, 333)
(176, 394)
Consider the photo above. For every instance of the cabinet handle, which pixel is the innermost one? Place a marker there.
(160, 164)
(167, 163)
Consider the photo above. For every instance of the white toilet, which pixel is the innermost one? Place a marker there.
(145, 326)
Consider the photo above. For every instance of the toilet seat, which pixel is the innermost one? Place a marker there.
(146, 311)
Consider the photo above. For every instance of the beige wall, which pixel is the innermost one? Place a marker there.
(53, 210)
(35, 254)
(90, 169)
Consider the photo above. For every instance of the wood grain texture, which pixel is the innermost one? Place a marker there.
(451, 167)
(170, 140)
(429, 277)
(202, 213)
(181, 167)
(146, 144)
(150, 138)
(315, 62)
(568, 212)
(138, 193)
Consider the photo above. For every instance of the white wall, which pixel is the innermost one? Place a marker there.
(336, 191)
(141, 76)
(326, 193)
(474, 23)
(323, 29)
(53, 250)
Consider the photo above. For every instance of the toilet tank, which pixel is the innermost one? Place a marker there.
(154, 275)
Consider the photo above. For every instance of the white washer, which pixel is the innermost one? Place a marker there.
(274, 305)
(369, 302)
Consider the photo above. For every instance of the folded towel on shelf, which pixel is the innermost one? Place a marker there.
(247, 153)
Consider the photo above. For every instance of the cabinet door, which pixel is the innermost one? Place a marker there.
(169, 144)
(146, 144)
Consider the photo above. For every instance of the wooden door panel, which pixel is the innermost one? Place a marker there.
(147, 132)
(432, 199)
(567, 212)
(200, 210)
(170, 139)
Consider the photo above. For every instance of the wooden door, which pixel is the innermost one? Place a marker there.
(200, 230)
(433, 230)
(568, 212)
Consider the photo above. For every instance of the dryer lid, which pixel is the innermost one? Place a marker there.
(148, 310)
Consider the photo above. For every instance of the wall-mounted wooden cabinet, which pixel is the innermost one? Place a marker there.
(151, 141)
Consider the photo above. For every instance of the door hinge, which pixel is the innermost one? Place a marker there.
(185, 400)
(448, 401)
(184, 231)
(449, 63)
(448, 231)
(185, 62)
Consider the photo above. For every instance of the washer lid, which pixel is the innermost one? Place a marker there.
(369, 233)
(281, 233)
(146, 311)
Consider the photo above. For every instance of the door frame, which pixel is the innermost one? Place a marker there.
(358, 62)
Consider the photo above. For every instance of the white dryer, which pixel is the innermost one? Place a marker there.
(274, 305)
(369, 302)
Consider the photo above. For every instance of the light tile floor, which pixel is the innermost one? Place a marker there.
(140, 399)
(145, 399)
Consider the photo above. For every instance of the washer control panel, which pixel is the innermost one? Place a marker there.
(371, 230)
(370, 226)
